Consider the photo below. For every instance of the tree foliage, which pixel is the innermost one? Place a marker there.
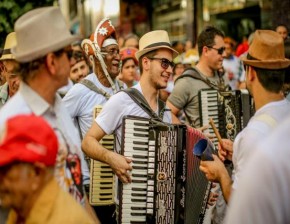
(11, 10)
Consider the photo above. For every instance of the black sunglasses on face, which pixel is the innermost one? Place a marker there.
(67, 50)
(164, 62)
(219, 50)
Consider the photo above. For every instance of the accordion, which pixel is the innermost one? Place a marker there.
(230, 110)
(101, 174)
(167, 185)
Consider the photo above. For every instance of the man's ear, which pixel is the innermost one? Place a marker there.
(251, 73)
(205, 50)
(50, 63)
(146, 63)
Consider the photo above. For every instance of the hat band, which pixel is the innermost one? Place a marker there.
(158, 44)
(6, 51)
(109, 41)
(250, 57)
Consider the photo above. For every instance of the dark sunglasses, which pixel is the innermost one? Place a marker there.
(67, 50)
(219, 50)
(164, 62)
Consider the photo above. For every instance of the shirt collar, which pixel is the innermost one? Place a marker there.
(4, 93)
(39, 108)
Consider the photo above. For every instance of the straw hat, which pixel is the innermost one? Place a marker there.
(154, 40)
(39, 32)
(9, 43)
(267, 51)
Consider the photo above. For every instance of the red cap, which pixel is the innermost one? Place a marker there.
(129, 52)
(28, 138)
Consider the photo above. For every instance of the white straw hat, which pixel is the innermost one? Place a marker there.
(9, 43)
(39, 32)
(154, 40)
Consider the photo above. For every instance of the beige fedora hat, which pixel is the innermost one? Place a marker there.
(267, 51)
(39, 32)
(154, 40)
(9, 43)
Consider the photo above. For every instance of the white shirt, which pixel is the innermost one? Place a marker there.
(80, 102)
(111, 117)
(263, 195)
(120, 105)
(234, 71)
(27, 101)
(259, 126)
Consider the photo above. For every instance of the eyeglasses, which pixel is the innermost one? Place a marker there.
(219, 50)
(164, 62)
(67, 50)
(111, 52)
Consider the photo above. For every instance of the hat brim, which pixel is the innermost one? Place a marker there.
(8, 156)
(269, 64)
(146, 50)
(7, 57)
(36, 53)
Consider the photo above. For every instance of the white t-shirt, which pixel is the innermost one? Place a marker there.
(257, 130)
(118, 106)
(263, 193)
(27, 101)
(80, 102)
(234, 71)
(111, 117)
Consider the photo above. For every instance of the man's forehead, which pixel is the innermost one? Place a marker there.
(112, 46)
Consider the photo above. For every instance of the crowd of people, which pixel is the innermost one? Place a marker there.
(51, 81)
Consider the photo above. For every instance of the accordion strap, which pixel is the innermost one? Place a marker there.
(195, 74)
(89, 84)
(141, 101)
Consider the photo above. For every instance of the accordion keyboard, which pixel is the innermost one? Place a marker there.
(134, 195)
(209, 109)
(101, 177)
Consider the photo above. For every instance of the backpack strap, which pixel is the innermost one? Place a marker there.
(90, 85)
(194, 73)
(139, 99)
(120, 84)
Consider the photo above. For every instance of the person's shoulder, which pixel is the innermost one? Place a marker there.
(14, 106)
(4, 86)
(71, 211)
(78, 90)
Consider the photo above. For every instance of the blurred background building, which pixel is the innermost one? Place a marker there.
(183, 19)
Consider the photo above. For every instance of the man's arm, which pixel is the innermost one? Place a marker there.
(174, 112)
(95, 150)
(216, 171)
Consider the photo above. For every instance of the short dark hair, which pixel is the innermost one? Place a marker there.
(206, 37)
(271, 79)
(149, 54)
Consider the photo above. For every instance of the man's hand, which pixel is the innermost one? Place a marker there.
(226, 150)
(203, 128)
(120, 165)
(212, 199)
(213, 170)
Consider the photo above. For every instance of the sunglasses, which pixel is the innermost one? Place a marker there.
(219, 50)
(67, 50)
(164, 62)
